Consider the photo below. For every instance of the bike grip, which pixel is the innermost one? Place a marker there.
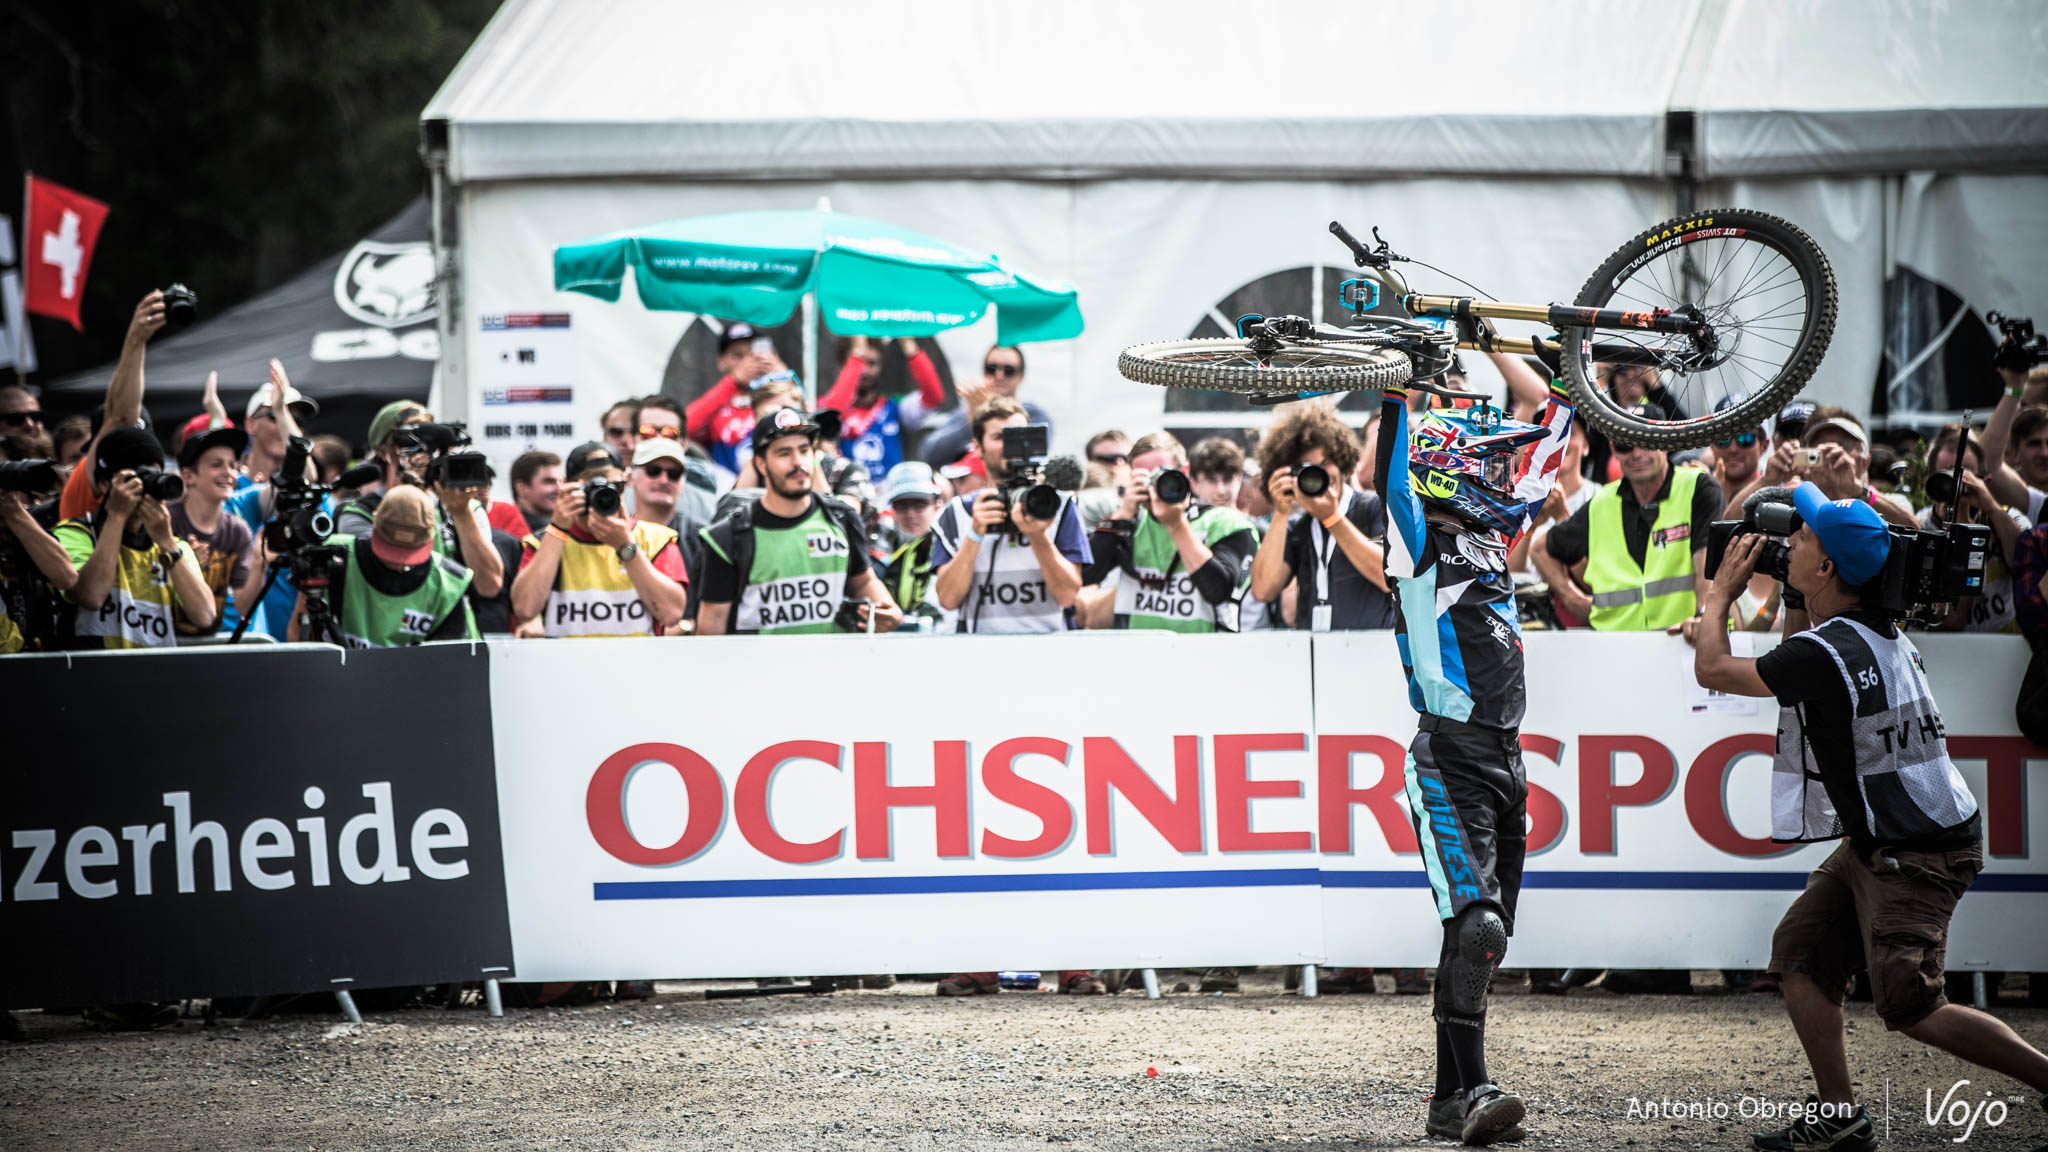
(1358, 251)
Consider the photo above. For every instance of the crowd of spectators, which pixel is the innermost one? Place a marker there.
(682, 519)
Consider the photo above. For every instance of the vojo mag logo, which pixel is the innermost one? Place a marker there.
(388, 285)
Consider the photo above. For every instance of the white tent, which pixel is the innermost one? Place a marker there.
(1171, 160)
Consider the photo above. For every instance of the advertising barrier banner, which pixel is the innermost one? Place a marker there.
(823, 805)
(220, 823)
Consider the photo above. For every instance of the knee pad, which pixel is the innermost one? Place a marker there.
(1479, 940)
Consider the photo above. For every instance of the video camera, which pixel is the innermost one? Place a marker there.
(448, 466)
(2022, 347)
(297, 533)
(1924, 573)
(1024, 453)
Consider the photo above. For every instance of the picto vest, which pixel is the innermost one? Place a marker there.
(1631, 597)
(371, 619)
(137, 610)
(1905, 787)
(793, 579)
(594, 595)
(1157, 591)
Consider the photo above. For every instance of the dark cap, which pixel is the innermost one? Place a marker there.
(125, 448)
(1794, 416)
(590, 454)
(783, 422)
(233, 439)
(1730, 401)
(737, 332)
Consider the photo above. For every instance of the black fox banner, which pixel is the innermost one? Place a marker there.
(243, 823)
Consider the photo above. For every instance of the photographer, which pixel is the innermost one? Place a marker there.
(35, 570)
(1021, 572)
(1991, 608)
(132, 569)
(595, 571)
(409, 445)
(1328, 552)
(121, 409)
(392, 590)
(1860, 758)
(795, 561)
(1161, 527)
(2021, 484)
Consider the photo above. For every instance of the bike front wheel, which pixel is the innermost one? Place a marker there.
(1767, 295)
(1302, 367)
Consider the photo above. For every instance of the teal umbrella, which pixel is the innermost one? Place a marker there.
(871, 278)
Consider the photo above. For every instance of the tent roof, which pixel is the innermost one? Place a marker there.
(1062, 88)
(1077, 88)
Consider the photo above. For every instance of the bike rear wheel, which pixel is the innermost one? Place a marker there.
(1230, 365)
(1763, 285)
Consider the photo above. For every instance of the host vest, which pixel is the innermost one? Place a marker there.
(594, 595)
(371, 619)
(1906, 788)
(1628, 597)
(1158, 592)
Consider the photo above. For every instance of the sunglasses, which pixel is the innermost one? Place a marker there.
(619, 431)
(1004, 370)
(675, 473)
(660, 431)
(1621, 449)
(21, 419)
(1111, 459)
(1746, 440)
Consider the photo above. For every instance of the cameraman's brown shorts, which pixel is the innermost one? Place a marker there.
(1887, 911)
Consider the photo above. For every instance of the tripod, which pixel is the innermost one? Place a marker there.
(312, 571)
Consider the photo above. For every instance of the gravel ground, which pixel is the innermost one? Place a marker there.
(905, 1071)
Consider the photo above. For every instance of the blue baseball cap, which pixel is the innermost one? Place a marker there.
(1851, 532)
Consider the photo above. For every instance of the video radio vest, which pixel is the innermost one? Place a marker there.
(593, 594)
(1631, 597)
(1905, 788)
(1158, 592)
(797, 576)
(370, 619)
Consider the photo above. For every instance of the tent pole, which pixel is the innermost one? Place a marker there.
(810, 314)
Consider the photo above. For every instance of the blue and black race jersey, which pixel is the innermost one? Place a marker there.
(1460, 639)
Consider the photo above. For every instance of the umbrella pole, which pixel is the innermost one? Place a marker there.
(810, 314)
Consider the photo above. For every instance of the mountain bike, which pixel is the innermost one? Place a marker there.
(1733, 309)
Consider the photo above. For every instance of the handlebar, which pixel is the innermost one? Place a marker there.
(1359, 252)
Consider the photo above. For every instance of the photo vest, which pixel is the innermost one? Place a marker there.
(594, 595)
(137, 610)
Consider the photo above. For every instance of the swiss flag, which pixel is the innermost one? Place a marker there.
(57, 239)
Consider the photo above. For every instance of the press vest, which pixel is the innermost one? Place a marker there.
(594, 595)
(137, 610)
(1008, 594)
(1631, 597)
(797, 576)
(1905, 788)
(372, 619)
(1157, 591)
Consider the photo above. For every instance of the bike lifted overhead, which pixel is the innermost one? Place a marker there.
(1721, 304)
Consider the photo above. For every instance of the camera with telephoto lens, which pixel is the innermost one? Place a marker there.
(30, 476)
(1024, 451)
(1171, 486)
(181, 307)
(1311, 479)
(603, 497)
(159, 484)
(2023, 347)
(447, 466)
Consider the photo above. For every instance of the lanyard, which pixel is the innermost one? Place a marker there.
(1325, 544)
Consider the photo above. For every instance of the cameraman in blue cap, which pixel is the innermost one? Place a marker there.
(1860, 758)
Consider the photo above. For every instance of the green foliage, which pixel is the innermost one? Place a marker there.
(236, 141)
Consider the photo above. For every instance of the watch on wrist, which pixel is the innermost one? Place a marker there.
(628, 550)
